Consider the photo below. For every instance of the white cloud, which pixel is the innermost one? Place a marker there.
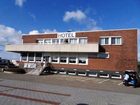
(74, 15)
(33, 32)
(19, 2)
(49, 30)
(81, 17)
(9, 35)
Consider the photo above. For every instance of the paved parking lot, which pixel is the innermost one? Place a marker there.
(17, 89)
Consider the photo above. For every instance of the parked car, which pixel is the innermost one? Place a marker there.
(4, 63)
(134, 79)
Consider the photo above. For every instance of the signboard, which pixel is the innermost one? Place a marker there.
(66, 35)
(30, 65)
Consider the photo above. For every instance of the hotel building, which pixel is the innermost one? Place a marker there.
(104, 53)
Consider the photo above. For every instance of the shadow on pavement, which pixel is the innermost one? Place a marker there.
(82, 104)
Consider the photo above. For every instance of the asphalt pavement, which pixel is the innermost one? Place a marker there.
(21, 89)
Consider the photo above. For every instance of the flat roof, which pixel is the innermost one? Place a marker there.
(84, 31)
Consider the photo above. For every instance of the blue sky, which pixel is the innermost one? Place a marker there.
(38, 16)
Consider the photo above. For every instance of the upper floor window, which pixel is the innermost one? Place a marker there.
(40, 41)
(82, 40)
(55, 41)
(47, 41)
(104, 41)
(73, 41)
(111, 40)
(116, 40)
(63, 41)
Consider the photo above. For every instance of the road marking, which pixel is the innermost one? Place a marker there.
(103, 81)
(120, 83)
(35, 90)
(30, 99)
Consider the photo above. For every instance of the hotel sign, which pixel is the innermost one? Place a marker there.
(66, 35)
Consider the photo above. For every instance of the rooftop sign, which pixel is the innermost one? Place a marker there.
(66, 35)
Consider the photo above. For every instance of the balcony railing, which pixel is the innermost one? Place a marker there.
(32, 47)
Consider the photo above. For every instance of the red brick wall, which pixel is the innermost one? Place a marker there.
(33, 38)
(122, 57)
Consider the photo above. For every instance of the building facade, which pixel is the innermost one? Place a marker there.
(105, 53)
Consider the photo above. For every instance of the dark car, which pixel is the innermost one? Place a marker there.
(4, 63)
(134, 79)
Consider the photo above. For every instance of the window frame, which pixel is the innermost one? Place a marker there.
(75, 40)
(103, 57)
(116, 40)
(38, 57)
(55, 42)
(73, 57)
(57, 59)
(49, 40)
(80, 38)
(104, 41)
(33, 57)
(63, 62)
(86, 59)
(25, 57)
(110, 40)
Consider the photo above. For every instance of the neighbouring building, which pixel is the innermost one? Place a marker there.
(103, 53)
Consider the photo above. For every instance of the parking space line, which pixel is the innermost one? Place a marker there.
(103, 81)
(120, 83)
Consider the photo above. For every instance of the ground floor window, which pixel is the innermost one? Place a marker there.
(72, 60)
(63, 59)
(82, 60)
(54, 59)
(38, 56)
(30, 56)
(24, 56)
(58, 58)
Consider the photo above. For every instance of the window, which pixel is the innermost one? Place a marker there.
(104, 41)
(62, 41)
(116, 40)
(82, 60)
(111, 40)
(72, 59)
(82, 40)
(38, 56)
(73, 41)
(66, 41)
(41, 41)
(47, 41)
(54, 59)
(63, 59)
(31, 57)
(103, 55)
(55, 41)
(24, 56)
